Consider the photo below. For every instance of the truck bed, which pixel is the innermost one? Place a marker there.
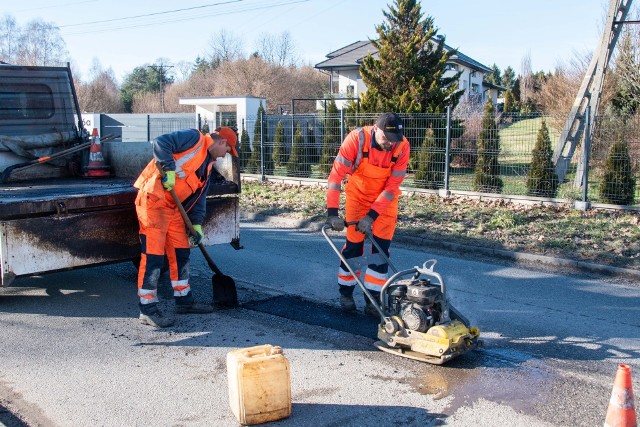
(66, 195)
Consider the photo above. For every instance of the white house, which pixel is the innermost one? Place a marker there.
(343, 68)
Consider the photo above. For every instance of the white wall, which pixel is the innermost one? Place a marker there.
(353, 78)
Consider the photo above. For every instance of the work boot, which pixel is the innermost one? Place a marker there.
(156, 320)
(347, 303)
(194, 308)
(369, 308)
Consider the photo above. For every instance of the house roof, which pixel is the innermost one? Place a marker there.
(351, 56)
(493, 86)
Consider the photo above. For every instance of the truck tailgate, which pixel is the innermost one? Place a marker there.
(68, 223)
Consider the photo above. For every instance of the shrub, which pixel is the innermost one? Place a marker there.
(298, 165)
(618, 184)
(487, 179)
(542, 179)
(430, 163)
(279, 150)
(244, 150)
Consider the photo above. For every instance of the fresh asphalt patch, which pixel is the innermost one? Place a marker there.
(303, 310)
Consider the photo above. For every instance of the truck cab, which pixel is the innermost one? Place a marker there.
(52, 216)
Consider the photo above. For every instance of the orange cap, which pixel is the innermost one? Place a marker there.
(230, 135)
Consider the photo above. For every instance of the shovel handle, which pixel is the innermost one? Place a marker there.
(40, 160)
(189, 225)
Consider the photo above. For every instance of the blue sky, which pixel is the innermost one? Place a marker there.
(137, 32)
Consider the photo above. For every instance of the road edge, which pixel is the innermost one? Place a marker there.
(525, 257)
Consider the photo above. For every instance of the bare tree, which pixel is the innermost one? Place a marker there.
(9, 38)
(526, 79)
(183, 70)
(279, 50)
(225, 47)
(250, 77)
(41, 44)
(101, 94)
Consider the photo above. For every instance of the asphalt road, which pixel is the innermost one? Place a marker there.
(74, 354)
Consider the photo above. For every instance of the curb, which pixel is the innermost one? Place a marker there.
(582, 266)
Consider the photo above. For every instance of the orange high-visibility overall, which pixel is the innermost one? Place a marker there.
(162, 229)
(364, 186)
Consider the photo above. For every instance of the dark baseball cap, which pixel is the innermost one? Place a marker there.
(391, 125)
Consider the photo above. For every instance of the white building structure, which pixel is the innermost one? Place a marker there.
(217, 109)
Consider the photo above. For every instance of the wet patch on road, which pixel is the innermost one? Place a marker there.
(502, 375)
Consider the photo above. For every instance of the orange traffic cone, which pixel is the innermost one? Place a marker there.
(96, 166)
(621, 412)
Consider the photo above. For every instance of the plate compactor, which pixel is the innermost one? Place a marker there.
(416, 320)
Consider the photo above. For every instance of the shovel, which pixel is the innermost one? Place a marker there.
(224, 287)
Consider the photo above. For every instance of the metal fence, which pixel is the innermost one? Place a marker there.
(144, 127)
(507, 154)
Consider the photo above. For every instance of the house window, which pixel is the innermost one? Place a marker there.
(474, 87)
(452, 67)
(350, 90)
(335, 87)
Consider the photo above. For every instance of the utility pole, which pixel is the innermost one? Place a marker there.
(162, 68)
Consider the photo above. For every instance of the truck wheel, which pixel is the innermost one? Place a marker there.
(164, 269)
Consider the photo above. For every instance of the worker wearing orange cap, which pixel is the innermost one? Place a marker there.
(187, 158)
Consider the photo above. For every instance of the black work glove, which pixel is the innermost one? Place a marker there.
(336, 223)
(365, 224)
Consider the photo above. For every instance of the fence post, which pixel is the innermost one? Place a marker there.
(199, 122)
(148, 127)
(586, 150)
(262, 140)
(341, 125)
(444, 192)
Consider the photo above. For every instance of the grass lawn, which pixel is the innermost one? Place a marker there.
(600, 236)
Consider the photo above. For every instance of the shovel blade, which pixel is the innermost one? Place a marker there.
(224, 291)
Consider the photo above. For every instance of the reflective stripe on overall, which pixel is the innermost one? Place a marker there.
(162, 229)
(362, 189)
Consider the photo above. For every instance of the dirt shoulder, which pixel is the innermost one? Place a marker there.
(604, 237)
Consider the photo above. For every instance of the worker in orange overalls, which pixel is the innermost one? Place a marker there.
(187, 158)
(376, 158)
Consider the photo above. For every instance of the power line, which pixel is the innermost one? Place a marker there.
(149, 14)
(173, 19)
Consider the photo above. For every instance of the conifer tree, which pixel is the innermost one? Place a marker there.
(626, 100)
(509, 102)
(542, 180)
(331, 140)
(313, 155)
(245, 150)
(618, 183)
(253, 166)
(351, 110)
(268, 150)
(408, 73)
(487, 173)
(279, 150)
(430, 163)
(298, 163)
